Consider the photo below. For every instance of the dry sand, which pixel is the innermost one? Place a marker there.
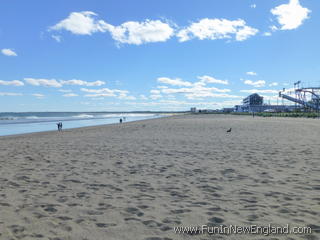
(138, 180)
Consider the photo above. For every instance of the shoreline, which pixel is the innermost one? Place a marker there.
(249, 116)
(68, 129)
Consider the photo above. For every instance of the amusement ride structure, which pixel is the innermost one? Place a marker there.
(309, 97)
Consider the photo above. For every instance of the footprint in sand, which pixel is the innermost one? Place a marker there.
(180, 211)
(157, 238)
(134, 211)
(132, 219)
(152, 223)
(171, 221)
(17, 230)
(105, 225)
(216, 220)
(49, 208)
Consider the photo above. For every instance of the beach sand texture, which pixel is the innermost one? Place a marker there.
(139, 180)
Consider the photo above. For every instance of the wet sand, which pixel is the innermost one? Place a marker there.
(139, 180)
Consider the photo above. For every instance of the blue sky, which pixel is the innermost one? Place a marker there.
(153, 55)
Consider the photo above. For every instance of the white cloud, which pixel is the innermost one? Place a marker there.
(102, 90)
(273, 84)
(11, 83)
(65, 90)
(147, 31)
(217, 29)
(81, 83)
(94, 95)
(193, 90)
(272, 98)
(141, 32)
(10, 94)
(201, 95)
(8, 52)
(174, 82)
(70, 95)
(267, 34)
(43, 82)
(81, 23)
(253, 5)
(196, 90)
(155, 96)
(122, 94)
(166, 104)
(259, 91)
(170, 97)
(143, 97)
(125, 97)
(274, 28)
(60, 83)
(290, 16)
(38, 95)
(155, 91)
(131, 32)
(106, 92)
(208, 79)
(58, 38)
(245, 32)
(251, 73)
(162, 87)
(259, 83)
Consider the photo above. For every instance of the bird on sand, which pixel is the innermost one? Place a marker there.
(229, 130)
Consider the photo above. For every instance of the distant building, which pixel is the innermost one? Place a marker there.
(239, 108)
(254, 103)
(227, 110)
(193, 109)
(206, 110)
(253, 100)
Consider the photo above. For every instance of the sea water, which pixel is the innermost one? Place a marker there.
(28, 122)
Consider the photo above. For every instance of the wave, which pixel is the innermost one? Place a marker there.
(53, 117)
(8, 118)
(113, 115)
(84, 116)
(31, 117)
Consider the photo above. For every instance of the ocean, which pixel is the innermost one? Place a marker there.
(28, 122)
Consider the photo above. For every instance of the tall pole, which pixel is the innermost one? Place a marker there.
(318, 100)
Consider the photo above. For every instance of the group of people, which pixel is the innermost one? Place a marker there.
(59, 125)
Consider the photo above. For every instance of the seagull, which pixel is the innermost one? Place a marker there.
(229, 130)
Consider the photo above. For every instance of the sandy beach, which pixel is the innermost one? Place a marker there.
(139, 180)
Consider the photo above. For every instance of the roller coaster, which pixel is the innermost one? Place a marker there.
(308, 97)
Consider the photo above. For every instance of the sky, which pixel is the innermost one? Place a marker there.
(123, 55)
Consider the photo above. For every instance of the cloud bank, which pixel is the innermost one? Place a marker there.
(16, 83)
(150, 31)
(259, 83)
(213, 29)
(59, 83)
(192, 90)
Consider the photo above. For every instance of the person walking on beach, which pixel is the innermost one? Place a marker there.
(120, 120)
(59, 124)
